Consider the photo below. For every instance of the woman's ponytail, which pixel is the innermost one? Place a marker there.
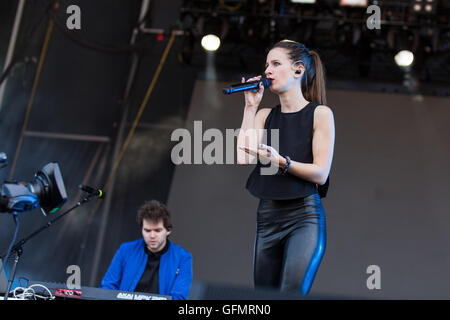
(315, 85)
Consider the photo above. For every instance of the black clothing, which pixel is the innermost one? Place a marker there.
(149, 281)
(290, 243)
(295, 141)
(291, 229)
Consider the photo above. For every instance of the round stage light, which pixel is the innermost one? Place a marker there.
(404, 58)
(210, 42)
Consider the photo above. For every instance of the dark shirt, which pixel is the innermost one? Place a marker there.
(295, 141)
(149, 281)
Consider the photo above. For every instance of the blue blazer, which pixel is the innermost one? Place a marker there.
(128, 265)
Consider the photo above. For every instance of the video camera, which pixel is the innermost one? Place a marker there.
(47, 190)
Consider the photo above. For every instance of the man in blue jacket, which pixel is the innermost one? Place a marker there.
(151, 264)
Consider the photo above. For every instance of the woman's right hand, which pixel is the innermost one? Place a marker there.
(253, 99)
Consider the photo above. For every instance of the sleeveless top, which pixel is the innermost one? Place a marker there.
(295, 141)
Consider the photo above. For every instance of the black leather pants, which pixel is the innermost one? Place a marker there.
(290, 242)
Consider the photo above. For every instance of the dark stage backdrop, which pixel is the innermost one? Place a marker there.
(387, 206)
(388, 201)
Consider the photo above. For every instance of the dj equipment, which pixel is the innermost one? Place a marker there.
(60, 290)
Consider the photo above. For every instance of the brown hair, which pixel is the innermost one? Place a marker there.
(154, 211)
(313, 80)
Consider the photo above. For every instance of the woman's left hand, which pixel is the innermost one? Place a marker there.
(265, 153)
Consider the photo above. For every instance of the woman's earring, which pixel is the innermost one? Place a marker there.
(298, 72)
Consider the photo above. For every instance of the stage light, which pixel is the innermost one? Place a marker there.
(213, 30)
(353, 3)
(210, 42)
(404, 58)
(423, 7)
(303, 1)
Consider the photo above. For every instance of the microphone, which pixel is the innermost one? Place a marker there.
(92, 191)
(252, 85)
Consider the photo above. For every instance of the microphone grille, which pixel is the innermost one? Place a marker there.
(265, 82)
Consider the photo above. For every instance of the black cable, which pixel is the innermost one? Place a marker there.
(104, 48)
(126, 49)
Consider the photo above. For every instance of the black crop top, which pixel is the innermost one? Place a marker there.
(295, 141)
